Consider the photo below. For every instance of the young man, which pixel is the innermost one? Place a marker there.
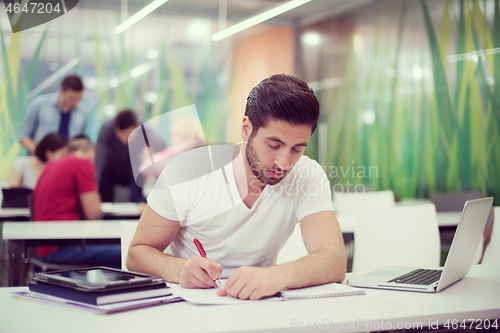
(112, 161)
(244, 210)
(59, 113)
(65, 190)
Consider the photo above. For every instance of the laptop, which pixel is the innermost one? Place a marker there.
(458, 263)
(16, 197)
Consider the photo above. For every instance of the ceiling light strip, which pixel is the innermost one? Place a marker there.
(257, 19)
(53, 78)
(139, 16)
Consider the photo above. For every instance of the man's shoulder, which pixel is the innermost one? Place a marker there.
(44, 100)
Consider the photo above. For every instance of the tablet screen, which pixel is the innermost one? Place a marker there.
(97, 276)
(98, 279)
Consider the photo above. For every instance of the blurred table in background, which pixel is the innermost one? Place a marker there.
(22, 235)
(110, 210)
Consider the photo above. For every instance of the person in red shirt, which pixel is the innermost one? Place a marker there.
(66, 191)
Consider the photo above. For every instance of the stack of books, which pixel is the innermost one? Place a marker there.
(98, 289)
(101, 298)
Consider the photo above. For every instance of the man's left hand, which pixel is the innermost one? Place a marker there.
(253, 283)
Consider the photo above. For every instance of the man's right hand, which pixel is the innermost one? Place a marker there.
(199, 272)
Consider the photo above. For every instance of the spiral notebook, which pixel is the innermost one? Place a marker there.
(209, 296)
(325, 290)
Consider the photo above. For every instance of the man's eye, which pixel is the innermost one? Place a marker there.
(274, 147)
(298, 150)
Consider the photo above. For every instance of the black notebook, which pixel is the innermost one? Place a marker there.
(100, 298)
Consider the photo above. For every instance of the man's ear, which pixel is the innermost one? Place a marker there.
(246, 128)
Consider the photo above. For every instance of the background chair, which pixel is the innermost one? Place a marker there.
(347, 205)
(351, 203)
(16, 197)
(401, 236)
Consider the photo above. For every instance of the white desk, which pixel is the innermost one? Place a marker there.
(477, 296)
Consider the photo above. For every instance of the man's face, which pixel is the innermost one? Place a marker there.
(274, 150)
(70, 98)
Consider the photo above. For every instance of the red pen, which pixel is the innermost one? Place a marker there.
(200, 248)
(202, 252)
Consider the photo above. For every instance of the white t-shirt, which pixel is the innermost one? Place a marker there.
(211, 210)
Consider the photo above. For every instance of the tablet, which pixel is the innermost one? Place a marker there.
(97, 279)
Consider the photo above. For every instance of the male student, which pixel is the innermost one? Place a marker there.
(66, 189)
(60, 113)
(272, 187)
(112, 160)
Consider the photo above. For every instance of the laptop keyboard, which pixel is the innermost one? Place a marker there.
(419, 276)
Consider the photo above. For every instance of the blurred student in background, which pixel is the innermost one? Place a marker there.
(65, 190)
(112, 159)
(26, 169)
(60, 113)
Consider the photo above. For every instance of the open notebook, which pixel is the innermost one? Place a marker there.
(209, 296)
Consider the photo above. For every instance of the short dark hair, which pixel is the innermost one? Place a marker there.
(52, 142)
(125, 119)
(80, 143)
(282, 97)
(72, 82)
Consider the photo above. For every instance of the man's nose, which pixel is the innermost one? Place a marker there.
(282, 159)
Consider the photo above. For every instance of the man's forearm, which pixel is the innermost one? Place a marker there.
(29, 144)
(324, 266)
(147, 259)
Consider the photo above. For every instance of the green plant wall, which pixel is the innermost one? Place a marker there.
(419, 95)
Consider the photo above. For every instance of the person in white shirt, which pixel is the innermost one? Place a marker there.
(26, 169)
(244, 206)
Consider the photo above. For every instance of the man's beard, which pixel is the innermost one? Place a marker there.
(254, 162)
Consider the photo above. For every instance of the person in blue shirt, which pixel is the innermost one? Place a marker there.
(60, 113)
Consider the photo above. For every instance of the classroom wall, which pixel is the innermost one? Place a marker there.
(410, 89)
(180, 66)
(266, 52)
